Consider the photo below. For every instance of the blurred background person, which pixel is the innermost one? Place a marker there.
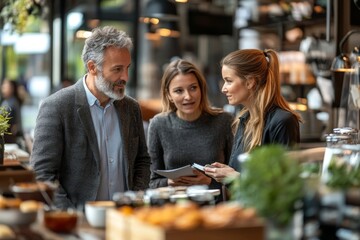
(12, 101)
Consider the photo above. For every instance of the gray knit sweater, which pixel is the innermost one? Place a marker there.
(173, 142)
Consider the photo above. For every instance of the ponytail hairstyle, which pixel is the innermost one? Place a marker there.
(263, 68)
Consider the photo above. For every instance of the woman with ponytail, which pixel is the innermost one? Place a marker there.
(251, 79)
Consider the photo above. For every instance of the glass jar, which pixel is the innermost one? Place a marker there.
(334, 141)
(202, 199)
(157, 197)
(129, 198)
(344, 158)
(200, 195)
(121, 199)
(352, 133)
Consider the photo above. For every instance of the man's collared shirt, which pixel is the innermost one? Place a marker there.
(107, 127)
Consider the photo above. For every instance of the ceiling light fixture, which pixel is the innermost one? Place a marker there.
(161, 9)
(342, 63)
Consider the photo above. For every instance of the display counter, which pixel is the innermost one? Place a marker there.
(83, 231)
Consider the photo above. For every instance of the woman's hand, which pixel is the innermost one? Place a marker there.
(219, 171)
(199, 179)
(175, 182)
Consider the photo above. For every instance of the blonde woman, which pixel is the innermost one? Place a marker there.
(188, 130)
(251, 79)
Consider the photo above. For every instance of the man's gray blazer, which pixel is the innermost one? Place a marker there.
(65, 146)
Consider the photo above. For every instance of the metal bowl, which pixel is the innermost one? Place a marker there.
(15, 217)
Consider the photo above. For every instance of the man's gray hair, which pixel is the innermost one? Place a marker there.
(100, 39)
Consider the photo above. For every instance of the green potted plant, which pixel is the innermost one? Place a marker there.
(4, 129)
(270, 182)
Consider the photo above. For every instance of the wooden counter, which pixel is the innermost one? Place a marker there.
(15, 153)
(127, 227)
(84, 231)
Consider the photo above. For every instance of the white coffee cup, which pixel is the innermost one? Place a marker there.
(95, 212)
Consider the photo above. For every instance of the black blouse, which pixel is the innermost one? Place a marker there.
(281, 127)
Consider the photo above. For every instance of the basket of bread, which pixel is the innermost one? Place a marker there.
(184, 221)
(39, 191)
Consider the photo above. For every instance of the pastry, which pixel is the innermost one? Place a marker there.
(6, 232)
(30, 206)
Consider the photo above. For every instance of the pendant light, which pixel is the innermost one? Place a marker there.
(340, 67)
(342, 63)
(161, 9)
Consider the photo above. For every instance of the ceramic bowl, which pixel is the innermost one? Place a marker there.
(15, 217)
(60, 221)
(95, 212)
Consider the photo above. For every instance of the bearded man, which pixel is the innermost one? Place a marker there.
(89, 137)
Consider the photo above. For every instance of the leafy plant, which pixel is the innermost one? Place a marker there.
(342, 175)
(270, 182)
(19, 12)
(310, 169)
(4, 121)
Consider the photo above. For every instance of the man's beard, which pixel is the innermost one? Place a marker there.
(107, 87)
